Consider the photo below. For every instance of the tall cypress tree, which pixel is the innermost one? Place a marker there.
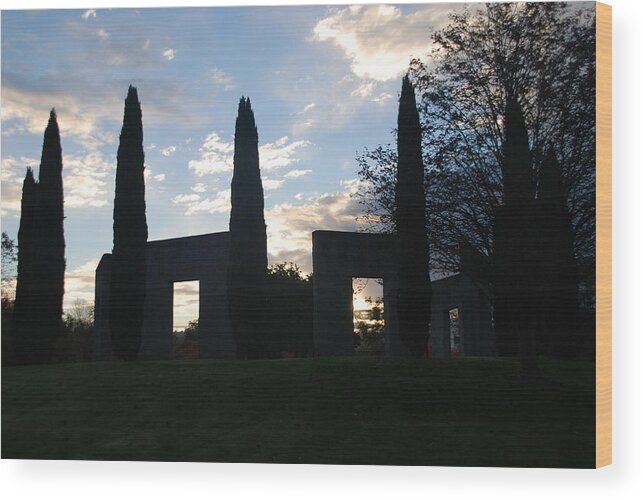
(41, 255)
(248, 252)
(25, 307)
(558, 280)
(515, 253)
(52, 237)
(414, 296)
(127, 290)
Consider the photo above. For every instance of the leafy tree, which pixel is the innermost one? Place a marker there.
(369, 334)
(127, 288)
(288, 327)
(9, 258)
(414, 287)
(186, 346)
(76, 343)
(544, 55)
(248, 252)
(539, 58)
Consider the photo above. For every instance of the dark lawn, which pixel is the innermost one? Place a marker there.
(469, 412)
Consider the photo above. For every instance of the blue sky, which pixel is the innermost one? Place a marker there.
(323, 82)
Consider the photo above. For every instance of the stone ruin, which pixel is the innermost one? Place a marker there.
(461, 308)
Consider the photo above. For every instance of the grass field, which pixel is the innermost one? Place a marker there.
(470, 412)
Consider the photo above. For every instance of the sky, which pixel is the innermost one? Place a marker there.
(324, 83)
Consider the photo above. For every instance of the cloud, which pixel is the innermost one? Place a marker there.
(269, 184)
(297, 173)
(12, 175)
(85, 179)
(199, 187)
(290, 226)
(308, 107)
(169, 54)
(280, 153)
(28, 110)
(159, 177)
(216, 155)
(88, 13)
(220, 77)
(79, 284)
(379, 40)
(367, 90)
(194, 204)
(185, 198)
(168, 151)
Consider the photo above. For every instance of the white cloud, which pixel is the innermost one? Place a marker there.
(379, 40)
(30, 112)
(199, 187)
(216, 155)
(159, 177)
(12, 175)
(79, 284)
(290, 226)
(280, 153)
(88, 13)
(269, 184)
(308, 107)
(168, 151)
(194, 204)
(220, 77)
(181, 199)
(87, 180)
(169, 54)
(297, 173)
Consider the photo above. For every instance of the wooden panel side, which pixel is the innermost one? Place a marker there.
(603, 235)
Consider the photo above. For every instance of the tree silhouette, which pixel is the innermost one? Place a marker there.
(414, 295)
(248, 253)
(544, 53)
(41, 256)
(24, 313)
(516, 258)
(559, 332)
(127, 289)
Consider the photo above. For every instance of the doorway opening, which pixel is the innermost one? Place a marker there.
(455, 333)
(368, 316)
(185, 320)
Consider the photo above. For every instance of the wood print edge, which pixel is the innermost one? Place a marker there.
(603, 235)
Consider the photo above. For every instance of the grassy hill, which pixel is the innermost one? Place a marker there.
(345, 410)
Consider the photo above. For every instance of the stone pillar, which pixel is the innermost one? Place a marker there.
(102, 349)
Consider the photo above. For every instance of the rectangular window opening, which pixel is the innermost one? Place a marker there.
(185, 329)
(368, 316)
(454, 332)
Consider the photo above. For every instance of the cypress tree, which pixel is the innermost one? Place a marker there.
(127, 290)
(25, 307)
(52, 237)
(515, 256)
(414, 295)
(41, 255)
(248, 253)
(558, 290)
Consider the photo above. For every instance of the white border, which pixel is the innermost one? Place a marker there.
(109, 480)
